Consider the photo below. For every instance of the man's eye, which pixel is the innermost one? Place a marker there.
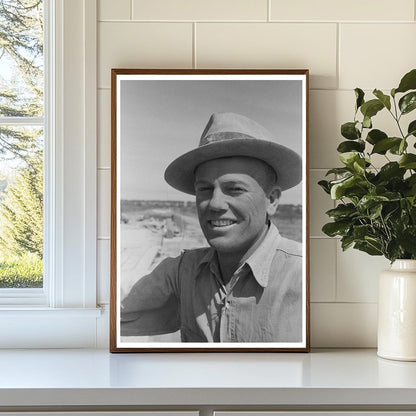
(202, 188)
(236, 189)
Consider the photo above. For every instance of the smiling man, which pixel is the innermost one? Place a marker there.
(247, 286)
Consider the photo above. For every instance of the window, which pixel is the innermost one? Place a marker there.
(22, 128)
(63, 313)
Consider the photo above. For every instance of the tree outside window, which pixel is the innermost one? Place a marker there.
(21, 143)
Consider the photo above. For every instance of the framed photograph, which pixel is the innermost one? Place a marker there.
(209, 211)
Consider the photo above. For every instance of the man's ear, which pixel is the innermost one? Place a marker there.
(273, 198)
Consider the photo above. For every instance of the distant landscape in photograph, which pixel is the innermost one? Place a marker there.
(153, 230)
(150, 231)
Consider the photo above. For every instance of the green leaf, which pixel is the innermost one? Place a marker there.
(350, 131)
(359, 95)
(385, 99)
(369, 201)
(346, 242)
(393, 250)
(359, 166)
(411, 185)
(350, 146)
(383, 145)
(411, 130)
(325, 186)
(407, 240)
(368, 248)
(375, 211)
(391, 170)
(336, 228)
(371, 108)
(398, 149)
(408, 102)
(408, 161)
(338, 171)
(342, 211)
(411, 180)
(375, 136)
(402, 147)
(367, 122)
(359, 232)
(408, 82)
(348, 158)
(338, 189)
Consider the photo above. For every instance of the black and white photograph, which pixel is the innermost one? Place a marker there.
(209, 223)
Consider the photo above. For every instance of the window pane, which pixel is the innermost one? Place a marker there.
(21, 209)
(21, 58)
(21, 146)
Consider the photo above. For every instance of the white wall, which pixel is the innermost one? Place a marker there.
(345, 44)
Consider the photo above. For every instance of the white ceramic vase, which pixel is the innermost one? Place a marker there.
(397, 312)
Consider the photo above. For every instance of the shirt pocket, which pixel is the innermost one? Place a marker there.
(253, 321)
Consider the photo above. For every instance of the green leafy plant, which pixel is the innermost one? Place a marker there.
(376, 210)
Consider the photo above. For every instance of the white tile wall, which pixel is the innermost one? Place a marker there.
(387, 52)
(341, 10)
(345, 44)
(104, 202)
(357, 275)
(344, 325)
(104, 129)
(200, 10)
(328, 110)
(270, 45)
(323, 269)
(145, 45)
(103, 271)
(114, 10)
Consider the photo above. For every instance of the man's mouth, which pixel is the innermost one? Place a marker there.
(221, 223)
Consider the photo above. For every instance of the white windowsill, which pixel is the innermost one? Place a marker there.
(36, 312)
(40, 327)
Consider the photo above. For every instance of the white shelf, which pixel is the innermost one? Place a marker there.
(335, 378)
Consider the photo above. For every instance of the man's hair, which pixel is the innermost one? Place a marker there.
(271, 178)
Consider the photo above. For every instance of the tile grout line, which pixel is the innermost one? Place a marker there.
(343, 303)
(307, 22)
(194, 62)
(338, 63)
(336, 271)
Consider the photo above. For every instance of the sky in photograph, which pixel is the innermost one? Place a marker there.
(161, 120)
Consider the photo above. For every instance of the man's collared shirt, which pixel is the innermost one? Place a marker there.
(262, 302)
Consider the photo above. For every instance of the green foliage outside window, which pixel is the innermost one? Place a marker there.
(21, 146)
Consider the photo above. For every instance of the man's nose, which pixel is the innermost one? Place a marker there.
(218, 200)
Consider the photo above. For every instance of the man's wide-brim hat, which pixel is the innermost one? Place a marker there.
(230, 134)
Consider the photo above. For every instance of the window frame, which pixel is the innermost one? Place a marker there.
(65, 313)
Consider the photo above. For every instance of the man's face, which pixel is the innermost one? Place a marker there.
(233, 198)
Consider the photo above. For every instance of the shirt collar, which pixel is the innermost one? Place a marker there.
(210, 258)
(259, 262)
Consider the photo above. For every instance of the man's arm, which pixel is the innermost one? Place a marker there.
(152, 306)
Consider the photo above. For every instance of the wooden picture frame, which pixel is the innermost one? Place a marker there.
(184, 304)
